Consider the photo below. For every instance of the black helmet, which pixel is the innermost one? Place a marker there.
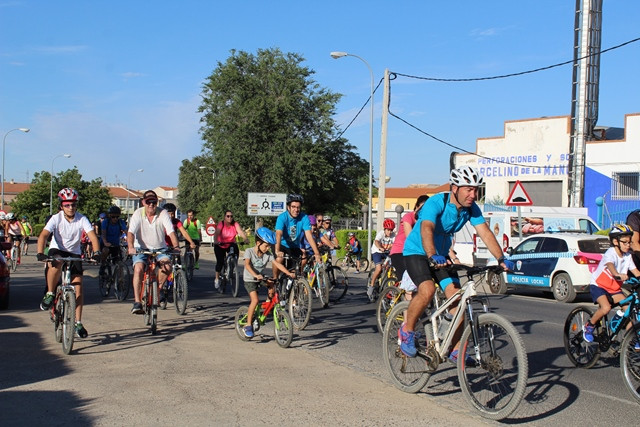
(114, 210)
(170, 207)
(294, 198)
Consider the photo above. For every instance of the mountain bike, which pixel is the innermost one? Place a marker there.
(188, 263)
(386, 277)
(176, 287)
(283, 325)
(63, 309)
(114, 273)
(149, 292)
(230, 274)
(296, 293)
(316, 275)
(608, 336)
(492, 361)
(14, 260)
(349, 261)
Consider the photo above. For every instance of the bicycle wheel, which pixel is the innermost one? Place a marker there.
(121, 281)
(282, 326)
(68, 321)
(180, 291)
(146, 302)
(339, 283)
(581, 353)
(409, 374)
(300, 303)
(630, 363)
(104, 281)
(154, 307)
(323, 286)
(188, 265)
(364, 264)
(240, 320)
(57, 316)
(387, 300)
(496, 385)
(14, 258)
(343, 263)
(234, 277)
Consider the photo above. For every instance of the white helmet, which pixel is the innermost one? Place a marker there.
(3, 216)
(465, 176)
(10, 216)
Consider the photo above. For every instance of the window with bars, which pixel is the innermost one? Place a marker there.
(625, 185)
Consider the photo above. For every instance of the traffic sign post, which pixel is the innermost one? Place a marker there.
(210, 228)
(266, 204)
(519, 197)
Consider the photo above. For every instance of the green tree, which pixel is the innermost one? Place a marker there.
(268, 127)
(35, 201)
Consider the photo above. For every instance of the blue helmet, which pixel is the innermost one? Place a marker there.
(266, 235)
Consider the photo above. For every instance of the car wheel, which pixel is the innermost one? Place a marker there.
(496, 283)
(562, 288)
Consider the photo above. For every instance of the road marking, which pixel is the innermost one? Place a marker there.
(606, 396)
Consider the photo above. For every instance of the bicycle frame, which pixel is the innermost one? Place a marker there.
(633, 304)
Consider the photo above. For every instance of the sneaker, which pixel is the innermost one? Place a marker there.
(587, 333)
(81, 332)
(407, 342)
(370, 293)
(47, 301)
(196, 265)
(248, 331)
(357, 271)
(216, 284)
(453, 358)
(636, 348)
(137, 308)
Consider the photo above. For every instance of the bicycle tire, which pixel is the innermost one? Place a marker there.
(154, 307)
(496, 386)
(409, 374)
(57, 316)
(145, 301)
(630, 363)
(14, 258)
(68, 322)
(282, 327)
(343, 263)
(386, 301)
(234, 277)
(300, 303)
(581, 353)
(339, 283)
(240, 321)
(364, 264)
(180, 291)
(322, 282)
(188, 265)
(104, 281)
(121, 281)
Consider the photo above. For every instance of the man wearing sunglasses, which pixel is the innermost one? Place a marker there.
(66, 228)
(147, 229)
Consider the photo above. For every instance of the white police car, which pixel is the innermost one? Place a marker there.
(560, 263)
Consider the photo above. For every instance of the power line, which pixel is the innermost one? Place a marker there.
(360, 111)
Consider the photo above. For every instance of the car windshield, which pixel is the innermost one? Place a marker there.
(595, 246)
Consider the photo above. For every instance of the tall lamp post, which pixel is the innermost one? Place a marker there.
(336, 55)
(51, 186)
(4, 142)
(129, 191)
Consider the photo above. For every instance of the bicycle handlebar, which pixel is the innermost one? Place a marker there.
(70, 259)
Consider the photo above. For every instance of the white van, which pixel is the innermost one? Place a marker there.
(509, 230)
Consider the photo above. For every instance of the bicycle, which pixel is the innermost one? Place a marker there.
(149, 292)
(386, 277)
(316, 275)
(283, 325)
(188, 263)
(495, 383)
(177, 286)
(15, 255)
(349, 260)
(607, 337)
(296, 293)
(230, 273)
(114, 273)
(63, 309)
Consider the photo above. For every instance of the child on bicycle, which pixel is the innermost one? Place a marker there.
(255, 262)
(354, 246)
(607, 279)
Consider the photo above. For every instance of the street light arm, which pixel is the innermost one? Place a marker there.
(4, 143)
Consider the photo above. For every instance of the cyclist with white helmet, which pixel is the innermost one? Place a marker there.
(428, 244)
(66, 229)
(14, 230)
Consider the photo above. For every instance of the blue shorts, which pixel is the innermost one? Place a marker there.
(378, 257)
(137, 258)
(596, 292)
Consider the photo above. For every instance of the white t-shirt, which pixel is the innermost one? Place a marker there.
(622, 264)
(150, 235)
(384, 240)
(67, 235)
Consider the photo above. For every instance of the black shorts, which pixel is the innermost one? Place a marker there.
(417, 267)
(76, 267)
(16, 238)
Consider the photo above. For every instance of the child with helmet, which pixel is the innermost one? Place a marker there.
(380, 250)
(606, 281)
(256, 260)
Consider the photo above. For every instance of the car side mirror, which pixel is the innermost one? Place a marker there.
(509, 250)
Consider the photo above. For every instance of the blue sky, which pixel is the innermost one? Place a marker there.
(117, 83)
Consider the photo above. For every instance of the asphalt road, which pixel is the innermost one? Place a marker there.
(196, 371)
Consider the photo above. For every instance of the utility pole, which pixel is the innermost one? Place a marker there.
(382, 179)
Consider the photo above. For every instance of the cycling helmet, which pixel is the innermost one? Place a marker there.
(389, 224)
(10, 216)
(24, 217)
(266, 235)
(465, 176)
(114, 210)
(327, 218)
(68, 195)
(617, 231)
(170, 207)
(3, 216)
(294, 198)
(351, 234)
(102, 215)
(312, 219)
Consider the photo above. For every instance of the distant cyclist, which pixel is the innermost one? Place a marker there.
(429, 242)
(380, 250)
(194, 228)
(224, 240)
(112, 228)
(14, 230)
(27, 232)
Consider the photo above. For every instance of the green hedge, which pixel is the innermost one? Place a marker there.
(343, 237)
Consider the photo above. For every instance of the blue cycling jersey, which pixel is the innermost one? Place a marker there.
(292, 228)
(447, 220)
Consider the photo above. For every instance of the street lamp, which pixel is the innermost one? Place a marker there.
(51, 187)
(129, 191)
(4, 141)
(336, 55)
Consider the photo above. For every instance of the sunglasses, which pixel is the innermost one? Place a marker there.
(151, 201)
(69, 205)
(228, 216)
(114, 216)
